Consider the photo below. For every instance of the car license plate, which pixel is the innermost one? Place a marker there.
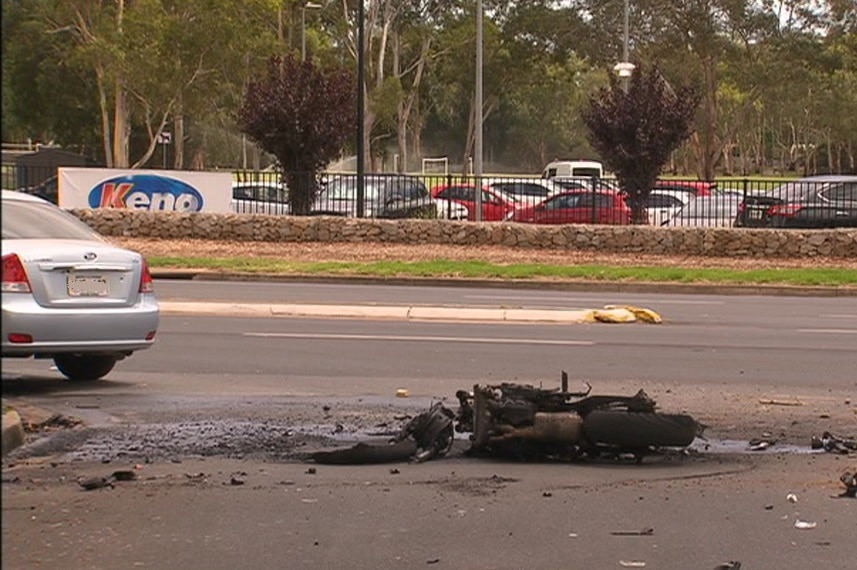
(756, 214)
(87, 286)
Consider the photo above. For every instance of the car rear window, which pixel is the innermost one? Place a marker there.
(40, 220)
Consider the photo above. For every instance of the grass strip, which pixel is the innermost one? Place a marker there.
(441, 268)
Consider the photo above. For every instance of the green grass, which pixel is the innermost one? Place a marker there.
(442, 268)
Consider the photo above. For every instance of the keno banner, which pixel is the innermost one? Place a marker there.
(152, 190)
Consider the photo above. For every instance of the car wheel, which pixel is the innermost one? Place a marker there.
(639, 430)
(84, 367)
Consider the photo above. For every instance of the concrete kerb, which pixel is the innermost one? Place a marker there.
(13, 430)
(402, 312)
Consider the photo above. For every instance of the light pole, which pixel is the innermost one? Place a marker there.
(361, 164)
(625, 68)
(306, 6)
(477, 104)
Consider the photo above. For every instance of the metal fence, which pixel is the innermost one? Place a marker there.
(826, 201)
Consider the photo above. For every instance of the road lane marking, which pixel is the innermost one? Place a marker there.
(421, 338)
(829, 331)
(838, 316)
(588, 300)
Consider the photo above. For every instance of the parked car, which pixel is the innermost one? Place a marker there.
(716, 211)
(47, 190)
(385, 196)
(260, 198)
(664, 204)
(495, 206)
(694, 187)
(813, 202)
(523, 192)
(579, 183)
(68, 294)
(576, 207)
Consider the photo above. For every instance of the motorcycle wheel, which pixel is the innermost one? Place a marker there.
(638, 430)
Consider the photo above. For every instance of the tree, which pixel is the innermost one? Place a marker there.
(302, 114)
(635, 131)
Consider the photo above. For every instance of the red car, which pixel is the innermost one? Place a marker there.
(577, 207)
(494, 206)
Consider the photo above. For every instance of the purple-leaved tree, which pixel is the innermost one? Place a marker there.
(304, 115)
(635, 131)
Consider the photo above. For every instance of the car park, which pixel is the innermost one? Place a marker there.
(495, 206)
(385, 196)
(576, 207)
(814, 202)
(68, 294)
(260, 197)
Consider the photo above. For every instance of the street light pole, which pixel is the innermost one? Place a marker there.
(361, 164)
(477, 104)
(625, 68)
(304, 7)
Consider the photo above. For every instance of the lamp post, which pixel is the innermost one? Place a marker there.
(625, 68)
(361, 164)
(477, 104)
(306, 6)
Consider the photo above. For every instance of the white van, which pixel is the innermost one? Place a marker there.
(573, 169)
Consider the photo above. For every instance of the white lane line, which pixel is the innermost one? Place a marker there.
(421, 338)
(588, 300)
(828, 331)
(839, 316)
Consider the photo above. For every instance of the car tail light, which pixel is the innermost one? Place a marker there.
(151, 335)
(20, 338)
(784, 210)
(147, 284)
(14, 275)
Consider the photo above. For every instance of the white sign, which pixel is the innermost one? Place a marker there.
(151, 190)
(165, 137)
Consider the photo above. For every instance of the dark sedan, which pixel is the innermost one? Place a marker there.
(813, 202)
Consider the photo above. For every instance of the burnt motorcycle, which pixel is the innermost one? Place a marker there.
(528, 423)
(525, 422)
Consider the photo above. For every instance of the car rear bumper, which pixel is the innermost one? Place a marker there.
(122, 330)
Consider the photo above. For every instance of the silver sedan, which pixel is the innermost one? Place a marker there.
(68, 294)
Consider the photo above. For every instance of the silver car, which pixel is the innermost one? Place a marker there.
(68, 294)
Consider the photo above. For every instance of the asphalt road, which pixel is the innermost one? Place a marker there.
(213, 380)
(705, 338)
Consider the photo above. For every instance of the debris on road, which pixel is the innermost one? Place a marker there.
(731, 565)
(834, 444)
(632, 564)
(791, 497)
(776, 402)
(124, 475)
(92, 483)
(849, 479)
(54, 422)
(641, 532)
(805, 525)
(640, 313)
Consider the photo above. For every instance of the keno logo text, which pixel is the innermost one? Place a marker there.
(146, 192)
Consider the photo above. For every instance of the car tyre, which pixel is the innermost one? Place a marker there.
(84, 367)
(639, 430)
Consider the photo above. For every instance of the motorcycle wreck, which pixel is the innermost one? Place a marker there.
(522, 422)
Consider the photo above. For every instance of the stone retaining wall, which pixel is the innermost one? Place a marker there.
(711, 242)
